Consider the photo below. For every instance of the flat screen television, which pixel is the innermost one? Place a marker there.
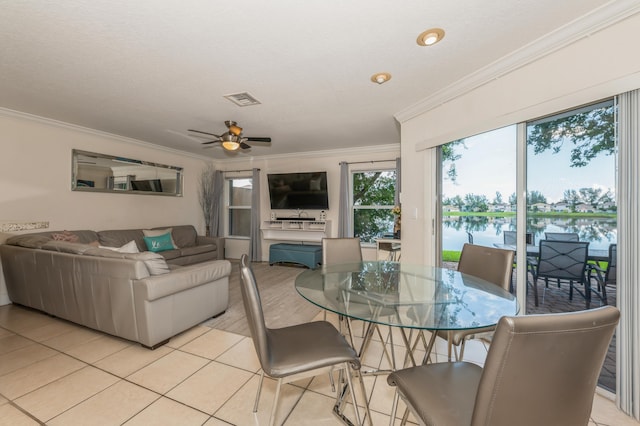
(152, 185)
(298, 191)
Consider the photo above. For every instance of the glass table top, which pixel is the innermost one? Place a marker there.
(403, 295)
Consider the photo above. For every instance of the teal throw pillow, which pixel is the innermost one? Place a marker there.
(160, 243)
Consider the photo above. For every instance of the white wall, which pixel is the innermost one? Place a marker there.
(601, 65)
(307, 162)
(35, 181)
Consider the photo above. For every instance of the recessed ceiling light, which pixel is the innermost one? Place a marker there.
(430, 37)
(381, 77)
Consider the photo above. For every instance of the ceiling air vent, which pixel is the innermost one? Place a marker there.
(242, 99)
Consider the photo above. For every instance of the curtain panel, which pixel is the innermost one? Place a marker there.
(628, 334)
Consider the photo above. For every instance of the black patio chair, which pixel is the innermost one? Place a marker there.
(565, 261)
(604, 276)
(561, 236)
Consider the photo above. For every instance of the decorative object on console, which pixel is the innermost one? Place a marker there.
(206, 195)
(397, 222)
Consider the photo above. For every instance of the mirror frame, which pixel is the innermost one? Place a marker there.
(107, 159)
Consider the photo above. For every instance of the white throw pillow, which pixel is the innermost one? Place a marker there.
(158, 232)
(130, 247)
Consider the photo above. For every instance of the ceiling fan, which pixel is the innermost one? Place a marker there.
(232, 139)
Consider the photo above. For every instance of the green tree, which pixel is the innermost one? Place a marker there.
(591, 132)
(498, 199)
(374, 188)
(513, 199)
(449, 157)
(534, 197)
(476, 203)
(572, 198)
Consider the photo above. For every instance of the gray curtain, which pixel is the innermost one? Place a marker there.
(396, 197)
(628, 194)
(255, 249)
(216, 208)
(344, 230)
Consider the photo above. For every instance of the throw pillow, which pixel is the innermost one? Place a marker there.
(155, 263)
(160, 243)
(159, 232)
(65, 236)
(130, 247)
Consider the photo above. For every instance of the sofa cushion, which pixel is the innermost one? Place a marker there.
(28, 241)
(155, 262)
(190, 251)
(183, 235)
(159, 243)
(67, 247)
(120, 237)
(159, 233)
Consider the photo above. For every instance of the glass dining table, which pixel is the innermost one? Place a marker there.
(406, 296)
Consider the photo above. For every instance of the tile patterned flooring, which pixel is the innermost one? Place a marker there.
(57, 373)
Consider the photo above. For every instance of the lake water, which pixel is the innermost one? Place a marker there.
(487, 230)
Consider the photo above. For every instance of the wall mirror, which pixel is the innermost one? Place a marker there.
(95, 172)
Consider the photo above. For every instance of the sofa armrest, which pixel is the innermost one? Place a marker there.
(180, 279)
(218, 241)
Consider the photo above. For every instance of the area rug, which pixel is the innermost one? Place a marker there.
(281, 302)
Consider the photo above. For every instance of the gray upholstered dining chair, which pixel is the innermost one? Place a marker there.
(295, 352)
(540, 370)
(490, 264)
(336, 251)
(341, 250)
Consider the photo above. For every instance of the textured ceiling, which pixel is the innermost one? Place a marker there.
(151, 69)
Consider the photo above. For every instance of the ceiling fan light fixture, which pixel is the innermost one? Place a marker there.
(230, 142)
(381, 77)
(430, 37)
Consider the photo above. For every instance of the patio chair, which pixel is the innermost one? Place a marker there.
(604, 276)
(564, 261)
(540, 370)
(295, 352)
(561, 236)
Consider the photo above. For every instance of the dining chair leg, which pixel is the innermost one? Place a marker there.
(394, 408)
(255, 404)
(353, 393)
(272, 418)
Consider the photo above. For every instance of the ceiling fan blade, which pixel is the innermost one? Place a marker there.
(204, 133)
(244, 145)
(209, 142)
(256, 139)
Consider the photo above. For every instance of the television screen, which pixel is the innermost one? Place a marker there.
(298, 191)
(153, 185)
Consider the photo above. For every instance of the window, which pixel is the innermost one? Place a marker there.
(373, 199)
(239, 211)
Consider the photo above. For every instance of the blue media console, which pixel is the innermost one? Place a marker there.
(309, 255)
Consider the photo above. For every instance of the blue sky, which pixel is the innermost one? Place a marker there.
(489, 165)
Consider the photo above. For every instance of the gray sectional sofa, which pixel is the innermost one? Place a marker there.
(147, 297)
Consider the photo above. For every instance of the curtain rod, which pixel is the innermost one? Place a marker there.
(366, 162)
(238, 171)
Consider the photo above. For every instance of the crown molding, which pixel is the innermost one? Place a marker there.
(598, 19)
(61, 124)
(376, 149)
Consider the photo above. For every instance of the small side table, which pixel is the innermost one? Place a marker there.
(388, 249)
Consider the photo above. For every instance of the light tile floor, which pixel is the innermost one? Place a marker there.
(57, 373)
